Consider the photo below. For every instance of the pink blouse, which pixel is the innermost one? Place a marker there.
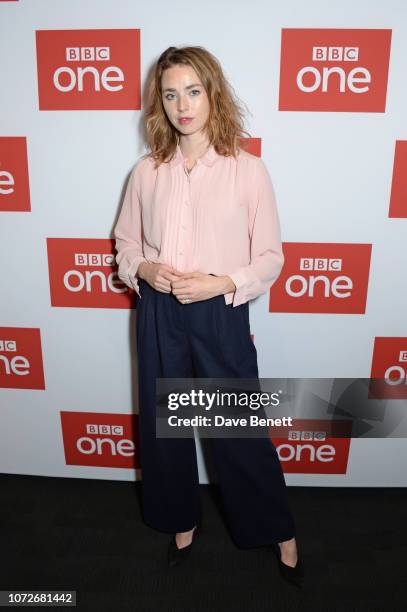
(220, 219)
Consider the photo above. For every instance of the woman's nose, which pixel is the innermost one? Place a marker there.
(182, 105)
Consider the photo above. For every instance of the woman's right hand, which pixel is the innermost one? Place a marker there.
(158, 275)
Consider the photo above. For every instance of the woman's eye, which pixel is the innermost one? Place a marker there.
(198, 91)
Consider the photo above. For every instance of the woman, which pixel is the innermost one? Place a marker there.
(198, 237)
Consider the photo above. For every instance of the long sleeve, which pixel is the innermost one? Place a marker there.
(266, 255)
(128, 233)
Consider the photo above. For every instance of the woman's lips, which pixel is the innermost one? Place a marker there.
(185, 120)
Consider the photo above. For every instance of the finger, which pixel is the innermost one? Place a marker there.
(167, 267)
(165, 274)
(180, 285)
(184, 296)
(168, 276)
(164, 278)
(163, 282)
(163, 288)
(182, 291)
(190, 275)
(172, 271)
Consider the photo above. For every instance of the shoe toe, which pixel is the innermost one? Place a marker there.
(177, 555)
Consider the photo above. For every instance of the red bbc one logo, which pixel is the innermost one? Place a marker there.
(88, 69)
(100, 439)
(398, 200)
(389, 369)
(14, 182)
(313, 446)
(328, 69)
(322, 278)
(83, 274)
(21, 364)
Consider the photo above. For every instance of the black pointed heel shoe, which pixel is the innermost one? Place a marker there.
(293, 575)
(177, 555)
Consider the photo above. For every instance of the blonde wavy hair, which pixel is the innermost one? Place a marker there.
(224, 126)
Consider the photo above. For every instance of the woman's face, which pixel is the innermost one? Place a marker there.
(184, 95)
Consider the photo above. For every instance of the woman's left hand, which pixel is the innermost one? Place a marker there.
(197, 286)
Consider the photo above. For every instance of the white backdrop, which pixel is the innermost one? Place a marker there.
(332, 174)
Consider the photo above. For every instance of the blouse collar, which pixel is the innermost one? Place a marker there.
(208, 158)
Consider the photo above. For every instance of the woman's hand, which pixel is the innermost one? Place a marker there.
(158, 275)
(197, 286)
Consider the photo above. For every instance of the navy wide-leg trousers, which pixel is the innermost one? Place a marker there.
(206, 339)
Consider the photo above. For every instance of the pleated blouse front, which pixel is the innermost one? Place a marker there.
(221, 219)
